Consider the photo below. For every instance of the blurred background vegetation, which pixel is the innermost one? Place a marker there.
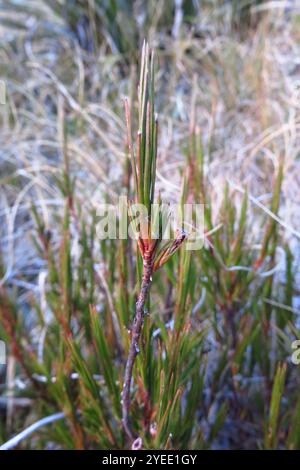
(214, 369)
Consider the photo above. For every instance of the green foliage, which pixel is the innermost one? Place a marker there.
(271, 438)
(213, 369)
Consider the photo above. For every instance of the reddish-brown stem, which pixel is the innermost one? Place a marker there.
(134, 345)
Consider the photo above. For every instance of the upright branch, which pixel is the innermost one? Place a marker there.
(153, 251)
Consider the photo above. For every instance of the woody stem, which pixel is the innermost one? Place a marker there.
(134, 346)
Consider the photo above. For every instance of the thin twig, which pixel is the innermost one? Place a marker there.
(134, 345)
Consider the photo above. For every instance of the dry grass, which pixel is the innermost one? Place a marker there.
(246, 95)
(242, 90)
